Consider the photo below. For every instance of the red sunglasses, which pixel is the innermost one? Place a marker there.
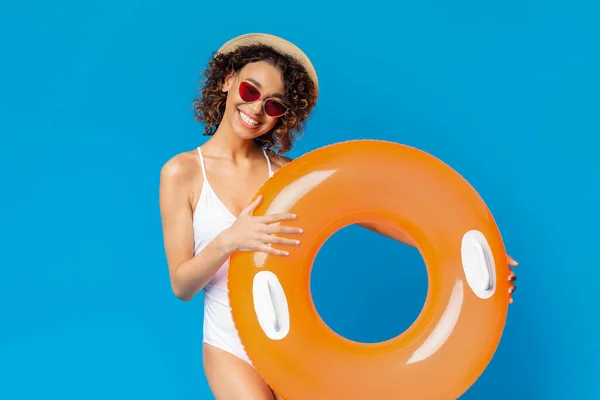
(273, 108)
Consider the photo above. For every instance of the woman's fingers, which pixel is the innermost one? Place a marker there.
(263, 243)
(269, 219)
(272, 239)
(282, 229)
(251, 207)
(265, 248)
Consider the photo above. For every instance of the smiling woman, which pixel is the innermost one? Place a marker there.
(248, 89)
(258, 93)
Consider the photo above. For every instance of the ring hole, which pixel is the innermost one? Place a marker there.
(367, 287)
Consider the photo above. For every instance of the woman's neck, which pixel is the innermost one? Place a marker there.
(229, 145)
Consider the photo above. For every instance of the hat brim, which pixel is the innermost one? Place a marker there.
(281, 45)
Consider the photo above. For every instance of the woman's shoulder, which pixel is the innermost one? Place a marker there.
(182, 167)
(279, 161)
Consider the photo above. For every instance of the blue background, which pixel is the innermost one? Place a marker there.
(96, 96)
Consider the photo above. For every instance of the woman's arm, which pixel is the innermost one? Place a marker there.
(188, 274)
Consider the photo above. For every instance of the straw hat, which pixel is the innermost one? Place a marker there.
(279, 44)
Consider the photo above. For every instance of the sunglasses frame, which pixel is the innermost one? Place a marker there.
(264, 102)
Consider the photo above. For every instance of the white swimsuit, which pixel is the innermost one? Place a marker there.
(211, 217)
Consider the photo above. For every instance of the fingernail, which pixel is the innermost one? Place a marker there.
(297, 242)
(300, 230)
(285, 253)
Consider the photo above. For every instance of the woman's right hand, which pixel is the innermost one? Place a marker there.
(258, 233)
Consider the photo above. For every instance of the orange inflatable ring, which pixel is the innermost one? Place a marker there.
(456, 334)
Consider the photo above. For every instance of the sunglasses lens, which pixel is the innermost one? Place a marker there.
(248, 92)
(274, 108)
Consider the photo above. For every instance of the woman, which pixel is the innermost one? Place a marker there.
(258, 93)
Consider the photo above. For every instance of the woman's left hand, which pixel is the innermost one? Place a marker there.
(512, 277)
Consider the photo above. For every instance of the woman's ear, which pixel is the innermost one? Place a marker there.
(228, 82)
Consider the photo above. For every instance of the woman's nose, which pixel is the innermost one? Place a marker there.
(257, 107)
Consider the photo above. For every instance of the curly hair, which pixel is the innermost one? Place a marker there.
(300, 94)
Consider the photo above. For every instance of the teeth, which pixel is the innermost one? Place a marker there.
(248, 120)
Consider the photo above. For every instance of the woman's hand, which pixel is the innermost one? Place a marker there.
(250, 233)
(512, 277)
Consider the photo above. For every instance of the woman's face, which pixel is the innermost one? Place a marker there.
(248, 120)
